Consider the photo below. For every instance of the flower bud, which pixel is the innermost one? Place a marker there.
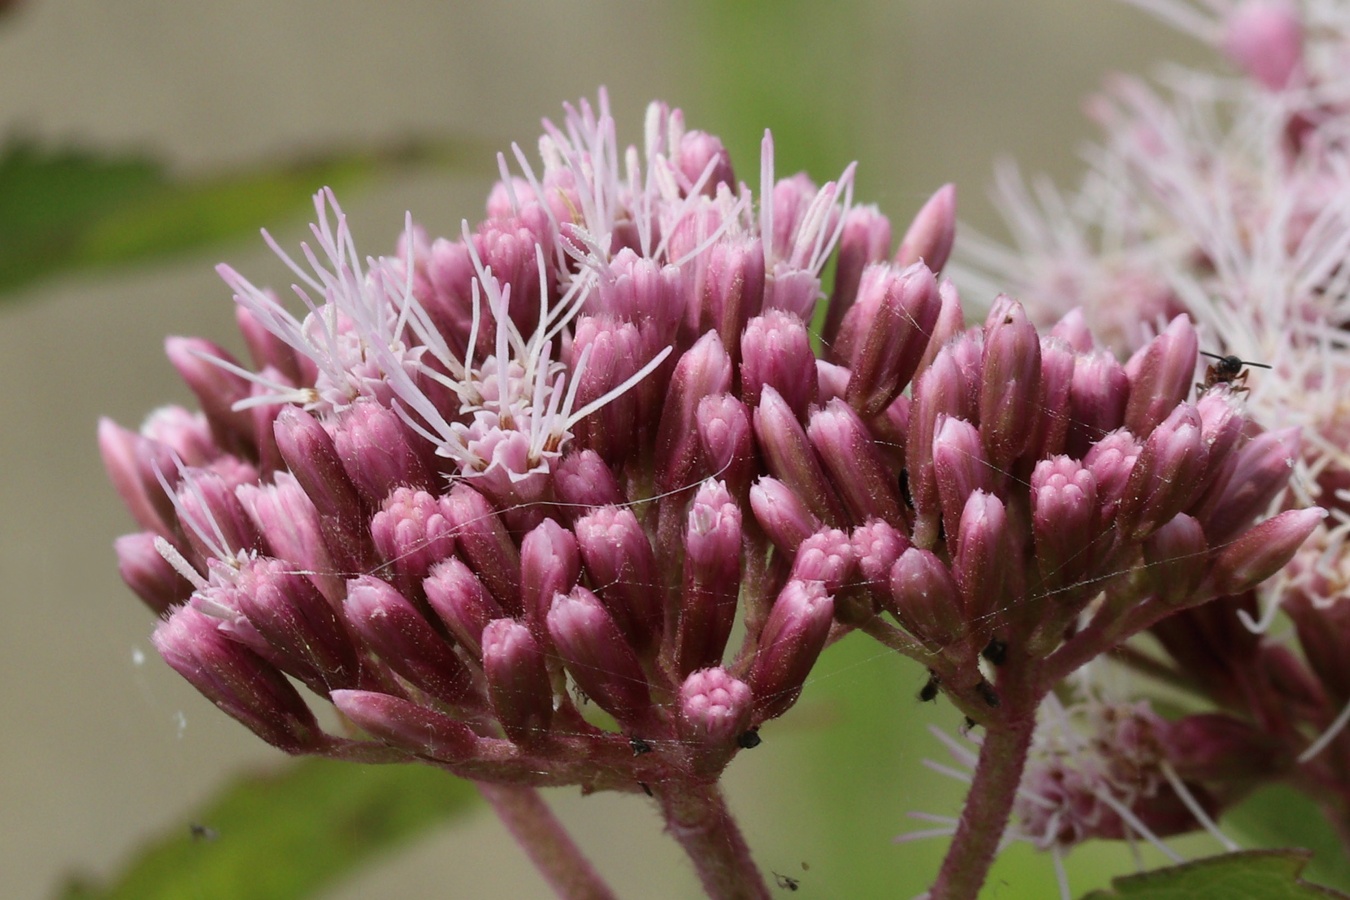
(148, 574)
(217, 390)
(461, 601)
(412, 532)
(789, 644)
(517, 681)
(864, 239)
(712, 577)
(959, 468)
(982, 559)
(703, 369)
(776, 350)
(1263, 550)
(1052, 428)
(733, 290)
(619, 558)
(850, 455)
(122, 453)
(289, 522)
(614, 355)
(373, 444)
(1176, 555)
(878, 545)
(1098, 394)
(828, 556)
(237, 680)
(598, 656)
(1166, 477)
(1010, 383)
(313, 460)
(393, 628)
(887, 331)
(790, 458)
(408, 726)
(782, 514)
(213, 519)
(550, 563)
(1064, 520)
(1161, 374)
(583, 481)
(931, 235)
(714, 707)
(725, 436)
(1262, 470)
(924, 599)
(1265, 40)
(1214, 747)
(481, 539)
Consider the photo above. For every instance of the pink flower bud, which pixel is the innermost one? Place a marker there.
(1064, 519)
(517, 680)
(1010, 385)
(618, 558)
(615, 355)
(701, 156)
(412, 532)
(288, 521)
(726, 438)
(712, 577)
(714, 707)
(791, 640)
(300, 626)
(951, 320)
(782, 514)
(216, 388)
(393, 628)
(122, 453)
(982, 559)
(1214, 747)
(583, 481)
(850, 455)
(703, 369)
(1265, 39)
(400, 723)
(733, 291)
(1097, 399)
(237, 680)
(1073, 330)
(1111, 460)
(941, 391)
(776, 350)
(1161, 375)
(373, 444)
(1167, 475)
(213, 519)
(887, 331)
(931, 235)
(959, 468)
(598, 656)
(147, 573)
(482, 540)
(313, 460)
(1263, 550)
(461, 601)
(878, 545)
(550, 563)
(828, 556)
(1052, 425)
(865, 239)
(1262, 470)
(790, 458)
(1176, 555)
(924, 599)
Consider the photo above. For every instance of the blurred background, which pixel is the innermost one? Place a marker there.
(104, 748)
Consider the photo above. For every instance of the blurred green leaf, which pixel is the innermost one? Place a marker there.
(287, 835)
(69, 209)
(1279, 816)
(1247, 875)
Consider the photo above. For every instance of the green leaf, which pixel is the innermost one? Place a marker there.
(1279, 816)
(72, 209)
(287, 835)
(1247, 875)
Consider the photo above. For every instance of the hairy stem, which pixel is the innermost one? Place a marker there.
(988, 805)
(697, 817)
(545, 842)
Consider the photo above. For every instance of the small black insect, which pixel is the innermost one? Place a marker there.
(929, 692)
(646, 788)
(639, 746)
(1229, 370)
(202, 832)
(988, 694)
(786, 882)
(749, 740)
(996, 652)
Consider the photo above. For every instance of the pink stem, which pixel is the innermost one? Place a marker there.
(997, 774)
(545, 842)
(698, 818)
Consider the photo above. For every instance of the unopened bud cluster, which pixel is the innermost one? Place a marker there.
(495, 482)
